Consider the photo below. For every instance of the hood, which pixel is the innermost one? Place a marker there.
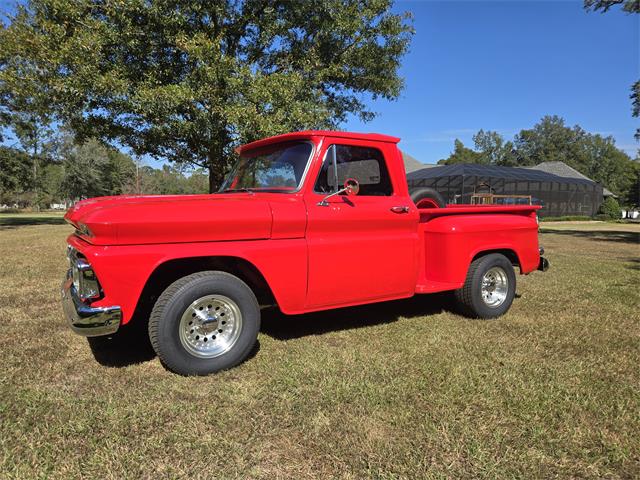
(148, 219)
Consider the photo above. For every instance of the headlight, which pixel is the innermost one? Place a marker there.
(84, 278)
(83, 230)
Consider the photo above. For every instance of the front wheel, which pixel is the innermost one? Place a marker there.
(489, 288)
(204, 322)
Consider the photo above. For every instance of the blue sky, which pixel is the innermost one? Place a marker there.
(501, 66)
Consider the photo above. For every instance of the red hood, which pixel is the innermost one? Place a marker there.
(133, 220)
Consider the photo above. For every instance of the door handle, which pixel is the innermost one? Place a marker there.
(400, 209)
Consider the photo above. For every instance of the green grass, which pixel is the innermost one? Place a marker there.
(397, 390)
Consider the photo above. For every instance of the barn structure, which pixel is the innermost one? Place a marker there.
(464, 183)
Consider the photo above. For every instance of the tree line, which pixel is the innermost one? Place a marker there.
(550, 140)
(70, 171)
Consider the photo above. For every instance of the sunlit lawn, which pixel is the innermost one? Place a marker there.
(397, 390)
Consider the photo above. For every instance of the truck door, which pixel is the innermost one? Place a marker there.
(361, 247)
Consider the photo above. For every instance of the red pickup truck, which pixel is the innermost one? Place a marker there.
(306, 221)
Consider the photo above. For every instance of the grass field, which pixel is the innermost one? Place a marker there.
(403, 389)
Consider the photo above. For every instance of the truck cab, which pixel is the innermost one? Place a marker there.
(307, 221)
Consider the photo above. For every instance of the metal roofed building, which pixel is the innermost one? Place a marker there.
(557, 195)
(411, 164)
(563, 170)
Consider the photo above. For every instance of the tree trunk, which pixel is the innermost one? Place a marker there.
(35, 178)
(217, 161)
(217, 169)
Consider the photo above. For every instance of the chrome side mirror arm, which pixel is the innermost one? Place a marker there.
(324, 203)
(351, 187)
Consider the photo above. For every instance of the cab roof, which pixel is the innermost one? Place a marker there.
(307, 134)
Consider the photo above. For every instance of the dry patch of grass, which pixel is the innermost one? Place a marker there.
(397, 390)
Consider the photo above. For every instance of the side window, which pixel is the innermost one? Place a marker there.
(365, 164)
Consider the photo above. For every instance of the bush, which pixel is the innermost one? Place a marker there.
(566, 218)
(610, 209)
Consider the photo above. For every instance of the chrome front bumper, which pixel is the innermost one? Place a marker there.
(85, 320)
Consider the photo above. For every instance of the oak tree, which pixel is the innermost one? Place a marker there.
(187, 80)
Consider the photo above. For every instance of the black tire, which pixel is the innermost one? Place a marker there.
(470, 298)
(167, 314)
(429, 196)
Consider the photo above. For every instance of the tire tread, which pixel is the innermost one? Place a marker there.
(464, 294)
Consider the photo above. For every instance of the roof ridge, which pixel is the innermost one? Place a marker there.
(515, 173)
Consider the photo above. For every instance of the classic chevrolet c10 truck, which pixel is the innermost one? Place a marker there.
(305, 221)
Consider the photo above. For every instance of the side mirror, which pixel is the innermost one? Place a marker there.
(351, 186)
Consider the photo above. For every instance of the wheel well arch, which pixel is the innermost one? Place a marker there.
(507, 252)
(168, 272)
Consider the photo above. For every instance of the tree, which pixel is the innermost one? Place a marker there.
(494, 150)
(189, 80)
(603, 162)
(37, 139)
(610, 209)
(197, 182)
(632, 198)
(83, 170)
(550, 140)
(461, 154)
(118, 172)
(51, 179)
(491, 149)
(635, 98)
(593, 155)
(14, 171)
(629, 6)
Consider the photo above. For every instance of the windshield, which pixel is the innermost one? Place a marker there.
(277, 168)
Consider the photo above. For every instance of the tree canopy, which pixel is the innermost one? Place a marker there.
(187, 81)
(462, 154)
(629, 6)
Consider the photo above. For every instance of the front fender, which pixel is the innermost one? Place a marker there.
(124, 270)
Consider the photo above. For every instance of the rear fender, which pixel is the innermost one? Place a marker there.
(451, 243)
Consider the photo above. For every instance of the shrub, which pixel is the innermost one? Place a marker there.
(610, 208)
(566, 218)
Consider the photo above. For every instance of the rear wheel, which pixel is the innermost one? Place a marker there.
(427, 198)
(489, 288)
(205, 322)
